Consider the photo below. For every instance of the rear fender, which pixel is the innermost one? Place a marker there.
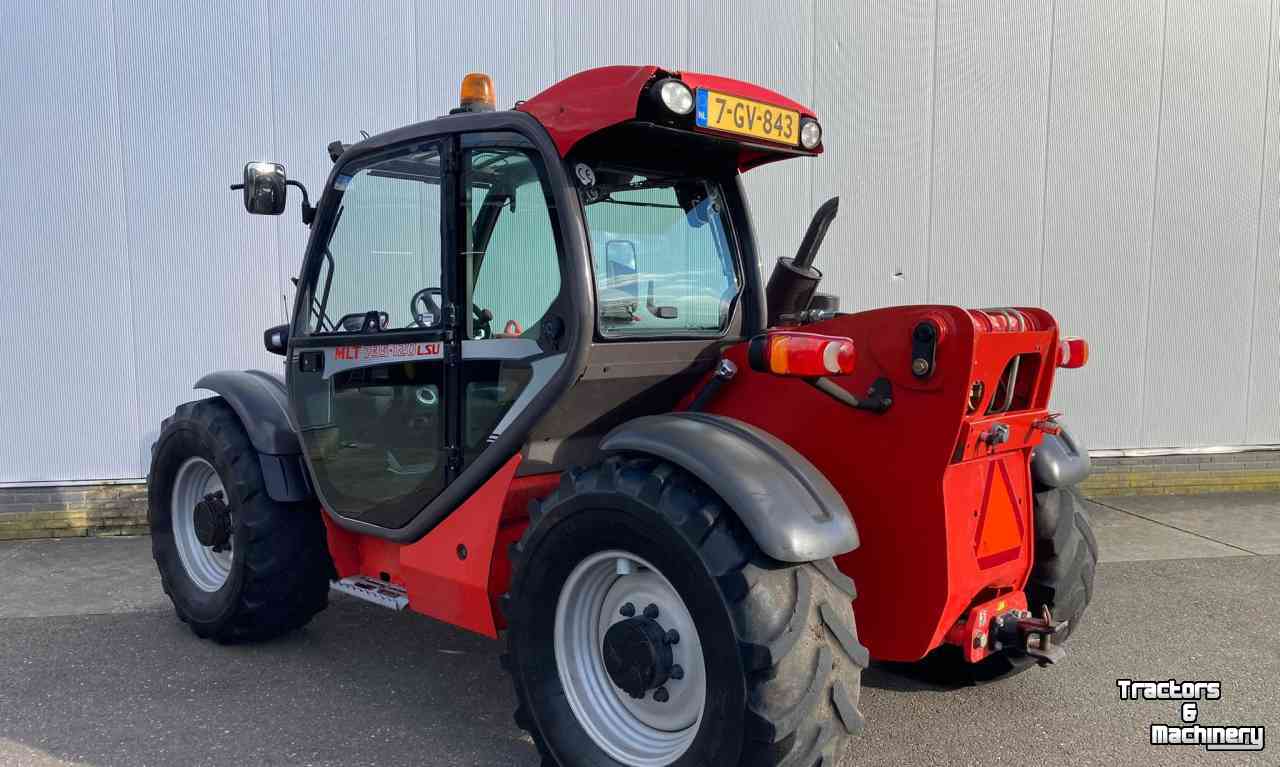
(1059, 461)
(262, 403)
(789, 508)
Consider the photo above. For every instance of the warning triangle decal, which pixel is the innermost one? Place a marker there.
(999, 536)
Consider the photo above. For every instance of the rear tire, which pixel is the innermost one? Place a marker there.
(275, 575)
(782, 662)
(1066, 558)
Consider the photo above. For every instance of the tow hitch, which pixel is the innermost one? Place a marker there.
(1018, 631)
(1005, 625)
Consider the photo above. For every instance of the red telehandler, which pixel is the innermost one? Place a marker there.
(536, 383)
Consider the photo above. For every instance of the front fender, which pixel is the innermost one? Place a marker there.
(787, 505)
(1060, 461)
(262, 403)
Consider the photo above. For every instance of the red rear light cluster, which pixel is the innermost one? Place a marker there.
(1073, 353)
(804, 355)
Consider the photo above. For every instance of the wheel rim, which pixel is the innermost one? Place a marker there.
(645, 732)
(207, 568)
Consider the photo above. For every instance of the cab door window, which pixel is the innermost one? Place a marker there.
(383, 254)
(514, 271)
(367, 378)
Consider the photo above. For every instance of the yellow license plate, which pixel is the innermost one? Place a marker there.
(720, 111)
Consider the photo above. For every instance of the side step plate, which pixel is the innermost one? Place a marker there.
(378, 592)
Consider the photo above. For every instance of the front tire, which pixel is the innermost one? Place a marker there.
(777, 673)
(243, 567)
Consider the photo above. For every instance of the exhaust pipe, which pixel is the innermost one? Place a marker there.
(794, 280)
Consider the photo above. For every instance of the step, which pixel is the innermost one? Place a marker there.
(372, 590)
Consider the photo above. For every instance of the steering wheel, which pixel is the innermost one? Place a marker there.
(424, 307)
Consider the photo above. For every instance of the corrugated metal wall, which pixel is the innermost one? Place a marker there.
(1116, 162)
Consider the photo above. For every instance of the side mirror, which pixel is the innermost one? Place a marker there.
(620, 266)
(265, 188)
(277, 339)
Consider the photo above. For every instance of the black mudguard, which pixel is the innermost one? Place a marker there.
(1059, 461)
(791, 509)
(262, 403)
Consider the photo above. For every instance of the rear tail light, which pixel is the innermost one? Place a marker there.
(804, 355)
(1073, 353)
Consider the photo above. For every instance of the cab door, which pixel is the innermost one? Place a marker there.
(513, 268)
(371, 368)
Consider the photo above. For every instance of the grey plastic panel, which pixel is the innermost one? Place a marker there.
(262, 404)
(791, 510)
(1060, 461)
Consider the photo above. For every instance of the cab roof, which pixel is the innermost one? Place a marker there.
(596, 99)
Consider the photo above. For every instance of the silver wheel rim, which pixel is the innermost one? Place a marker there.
(639, 733)
(207, 568)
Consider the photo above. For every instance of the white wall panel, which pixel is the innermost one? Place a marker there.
(509, 39)
(873, 91)
(589, 33)
(992, 87)
(196, 102)
(1206, 218)
(1264, 358)
(1100, 185)
(779, 56)
(1121, 170)
(328, 83)
(67, 396)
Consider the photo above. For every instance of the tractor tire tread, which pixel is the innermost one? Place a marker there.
(803, 680)
(1066, 558)
(286, 570)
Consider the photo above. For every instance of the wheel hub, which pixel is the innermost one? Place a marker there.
(630, 659)
(213, 521)
(637, 655)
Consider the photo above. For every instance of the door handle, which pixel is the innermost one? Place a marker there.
(311, 361)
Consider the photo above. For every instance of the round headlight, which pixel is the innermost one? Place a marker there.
(810, 134)
(676, 96)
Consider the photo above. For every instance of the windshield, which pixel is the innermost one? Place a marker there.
(661, 253)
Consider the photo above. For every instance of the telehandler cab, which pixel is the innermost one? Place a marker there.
(536, 382)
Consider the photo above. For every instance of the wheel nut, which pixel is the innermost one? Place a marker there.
(651, 612)
(673, 637)
(628, 610)
(677, 672)
(661, 695)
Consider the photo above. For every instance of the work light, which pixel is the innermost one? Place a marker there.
(810, 134)
(676, 96)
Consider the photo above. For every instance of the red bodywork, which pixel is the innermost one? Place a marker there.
(944, 517)
(943, 511)
(591, 101)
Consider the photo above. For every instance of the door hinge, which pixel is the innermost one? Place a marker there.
(454, 459)
(449, 321)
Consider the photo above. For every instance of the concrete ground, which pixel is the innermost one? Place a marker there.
(95, 669)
